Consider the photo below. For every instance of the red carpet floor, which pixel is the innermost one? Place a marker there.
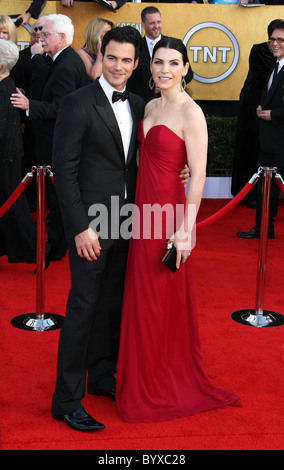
(246, 359)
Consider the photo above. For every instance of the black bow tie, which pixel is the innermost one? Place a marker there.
(117, 95)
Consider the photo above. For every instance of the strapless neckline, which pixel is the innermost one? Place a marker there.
(160, 125)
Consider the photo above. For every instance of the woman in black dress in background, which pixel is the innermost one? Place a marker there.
(17, 233)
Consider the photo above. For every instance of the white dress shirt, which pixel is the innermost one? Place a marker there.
(123, 116)
(122, 113)
(151, 44)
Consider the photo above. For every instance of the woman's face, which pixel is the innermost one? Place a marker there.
(4, 33)
(167, 68)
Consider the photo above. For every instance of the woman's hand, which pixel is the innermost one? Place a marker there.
(182, 242)
(184, 175)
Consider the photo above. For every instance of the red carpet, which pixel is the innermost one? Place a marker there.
(246, 359)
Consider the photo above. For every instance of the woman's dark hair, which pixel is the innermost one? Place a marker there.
(172, 43)
(123, 34)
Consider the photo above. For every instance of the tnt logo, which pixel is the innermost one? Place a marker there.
(213, 51)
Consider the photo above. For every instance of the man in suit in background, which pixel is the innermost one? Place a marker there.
(271, 129)
(65, 74)
(94, 158)
(140, 80)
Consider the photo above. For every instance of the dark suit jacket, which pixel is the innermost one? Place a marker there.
(272, 132)
(66, 74)
(139, 81)
(89, 163)
(36, 8)
(261, 60)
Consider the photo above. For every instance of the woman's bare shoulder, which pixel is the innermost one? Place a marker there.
(192, 111)
(150, 106)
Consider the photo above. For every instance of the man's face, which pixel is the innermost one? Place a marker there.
(152, 25)
(51, 42)
(118, 63)
(277, 48)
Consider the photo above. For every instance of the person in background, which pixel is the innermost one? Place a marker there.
(141, 81)
(37, 6)
(67, 73)
(8, 29)
(90, 53)
(17, 233)
(270, 112)
(247, 134)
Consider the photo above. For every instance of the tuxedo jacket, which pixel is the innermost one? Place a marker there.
(272, 132)
(66, 74)
(36, 8)
(89, 164)
(139, 81)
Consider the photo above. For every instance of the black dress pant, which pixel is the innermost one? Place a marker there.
(89, 338)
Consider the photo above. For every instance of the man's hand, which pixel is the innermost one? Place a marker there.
(19, 100)
(263, 114)
(185, 174)
(88, 245)
(25, 17)
(37, 48)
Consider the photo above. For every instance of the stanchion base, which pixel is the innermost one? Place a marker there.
(252, 318)
(34, 322)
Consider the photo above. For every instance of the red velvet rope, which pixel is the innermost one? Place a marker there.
(228, 207)
(22, 186)
(15, 195)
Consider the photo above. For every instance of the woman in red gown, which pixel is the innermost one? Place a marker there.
(160, 373)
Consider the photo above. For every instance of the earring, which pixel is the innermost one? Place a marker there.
(151, 83)
(182, 84)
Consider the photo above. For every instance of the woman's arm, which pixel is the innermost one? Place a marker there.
(196, 142)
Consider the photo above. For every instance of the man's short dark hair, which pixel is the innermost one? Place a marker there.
(123, 34)
(277, 25)
(148, 11)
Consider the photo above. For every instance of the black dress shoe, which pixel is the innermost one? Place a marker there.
(255, 233)
(80, 421)
(107, 393)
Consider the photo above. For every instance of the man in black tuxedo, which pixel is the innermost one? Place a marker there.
(65, 74)
(271, 129)
(140, 81)
(246, 156)
(93, 160)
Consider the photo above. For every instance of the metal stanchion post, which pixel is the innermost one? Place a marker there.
(39, 321)
(258, 317)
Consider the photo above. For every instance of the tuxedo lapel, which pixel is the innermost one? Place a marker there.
(104, 109)
(274, 85)
(135, 118)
